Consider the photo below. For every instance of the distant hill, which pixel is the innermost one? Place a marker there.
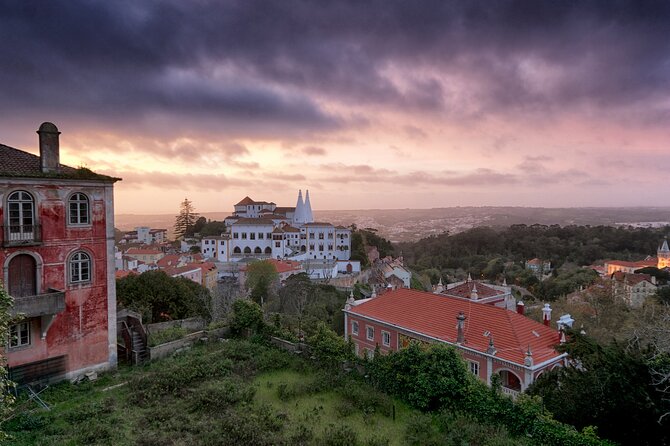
(413, 224)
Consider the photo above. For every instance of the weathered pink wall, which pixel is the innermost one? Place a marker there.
(81, 331)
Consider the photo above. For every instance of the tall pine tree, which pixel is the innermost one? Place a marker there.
(185, 221)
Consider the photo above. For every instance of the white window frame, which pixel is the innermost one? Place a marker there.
(80, 267)
(17, 334)
(354, 327)
(386, 338)
(474, 367)
(81, 215)
(367, 332)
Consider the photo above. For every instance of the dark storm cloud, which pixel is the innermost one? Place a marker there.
(275, 62)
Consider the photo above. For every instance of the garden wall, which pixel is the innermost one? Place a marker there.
(190, 324)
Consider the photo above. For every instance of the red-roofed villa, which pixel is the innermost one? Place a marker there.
(492, 340)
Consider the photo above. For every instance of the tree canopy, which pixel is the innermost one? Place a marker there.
(262, 280)
(608, 386)
(159, 297)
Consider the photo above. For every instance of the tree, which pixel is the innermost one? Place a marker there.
(429, 377)
(608, 386)
(159, 297)
(247, 316)
(328, 347)
(185, 221)
(6, 397)
(262, 278)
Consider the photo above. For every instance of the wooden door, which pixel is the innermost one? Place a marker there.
(22, 276)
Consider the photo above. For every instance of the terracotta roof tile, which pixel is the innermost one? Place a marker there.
(465, 289)
(245, 201)
(435, 316)
(17, 163)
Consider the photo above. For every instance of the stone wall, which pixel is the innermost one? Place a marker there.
(190, 324)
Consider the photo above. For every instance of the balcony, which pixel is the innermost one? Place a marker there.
(510, 392)
(50, 303)
(21, 235)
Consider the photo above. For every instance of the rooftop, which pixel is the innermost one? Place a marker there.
(19, 164)
(465, 289)
(435, 316)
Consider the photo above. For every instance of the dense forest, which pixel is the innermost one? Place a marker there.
(494, 253)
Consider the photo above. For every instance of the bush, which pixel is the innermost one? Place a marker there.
(328, 347)
(92, 410)
(247, 317)
(167, 335)
(173, 379)
(340, 435)
(367, 400)
(26, 421)
(216, 396)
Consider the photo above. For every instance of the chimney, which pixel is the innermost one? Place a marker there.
(528, 361)
(546, 314)
(492, 349)
(520, 308)
(49, 148)
(460, 326)
(473, 292)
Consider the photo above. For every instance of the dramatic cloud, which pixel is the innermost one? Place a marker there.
(448, 94)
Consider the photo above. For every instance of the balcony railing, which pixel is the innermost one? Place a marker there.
(21, 235)
(511, 392)
(51, 302)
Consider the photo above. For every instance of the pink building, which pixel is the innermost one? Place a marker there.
(57, 255)
(492, 340)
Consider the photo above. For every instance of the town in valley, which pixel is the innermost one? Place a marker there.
(391, 223)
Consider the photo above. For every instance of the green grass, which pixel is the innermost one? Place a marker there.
(323, 408)
(214, 394)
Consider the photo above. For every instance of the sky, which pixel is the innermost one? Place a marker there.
(369, 105)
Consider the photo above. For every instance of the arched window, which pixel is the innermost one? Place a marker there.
(257, 250)
(268, 250)
(247, 250)
(80, 267)
(237, 250)
(21, 216)
(78, 209)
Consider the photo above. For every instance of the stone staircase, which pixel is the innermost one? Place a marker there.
(140, 351)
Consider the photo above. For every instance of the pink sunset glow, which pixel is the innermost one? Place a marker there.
(386, 105)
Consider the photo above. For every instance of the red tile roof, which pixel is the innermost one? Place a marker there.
(435, 316)
(123, 273)
(168, 260)
(245, 201)
(177, 271)
(465, 289)
(17, 163)
(640, 263)
(631, 279)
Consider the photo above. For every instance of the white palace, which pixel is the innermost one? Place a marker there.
(262, 230)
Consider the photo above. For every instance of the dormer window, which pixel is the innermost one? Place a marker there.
(78, 209)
